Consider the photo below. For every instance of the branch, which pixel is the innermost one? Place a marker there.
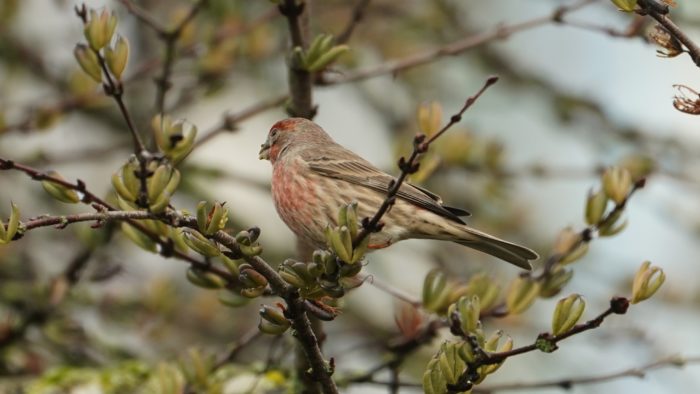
(300, 79)
(659, 12)
(358, 12)
(588, 234)
(618, 306)
(115, 89)
(296, 305)
(454, 48)
(170, 38)
(568, 383)
(230, 122)
(410, 166)
(166, 247)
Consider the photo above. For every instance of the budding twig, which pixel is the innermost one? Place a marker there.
(410, 165)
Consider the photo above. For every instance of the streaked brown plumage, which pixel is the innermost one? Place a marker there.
(313, 177)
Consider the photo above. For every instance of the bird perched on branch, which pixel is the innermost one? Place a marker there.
(313, 177)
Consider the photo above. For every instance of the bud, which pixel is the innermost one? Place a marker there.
(251, 278)
(321, 53)
(429, 117)
(569, 246)
(175, 139)
(87, 59)
(205, 279)
(617, 183)
(58, 191)
(320, 44)
(161, 185)
(272, 321)
(126, 184)
(556, 281)
(485, 288)
(327, 58)
(140, 239)
(595, 206)
(493, 345)
(7, 233)
(293, 277)
(232, 300)
(522, 292)
(469, 309)
(646, 282)
(339, 244)
(273, 315)
(567, 313)
(100, 28)
(625, 5)
(231, 265)
(200, 244)
(116, 56)
(252, 292)
(436, 292)
(212, 217)
(639, 166)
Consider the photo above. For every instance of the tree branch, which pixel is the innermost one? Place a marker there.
(568, 383)
(454, 48)
(659, 12)
(300, 80)
(410, 165)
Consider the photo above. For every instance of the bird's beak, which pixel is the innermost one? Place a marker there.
(265, 150)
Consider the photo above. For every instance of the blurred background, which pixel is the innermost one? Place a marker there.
(573, 97)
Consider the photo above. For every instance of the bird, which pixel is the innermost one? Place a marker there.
(313, 177)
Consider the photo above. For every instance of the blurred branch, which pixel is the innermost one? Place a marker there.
(42, 312)
(230, 122)
(568, 383)
(456, 47)
(246, 339)
(400, 350)
(410, 165)
(169, 38)
(389, 289)
(358, 13)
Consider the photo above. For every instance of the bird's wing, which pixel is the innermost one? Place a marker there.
(360, 172)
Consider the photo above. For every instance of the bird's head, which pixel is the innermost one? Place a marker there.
(288, 134)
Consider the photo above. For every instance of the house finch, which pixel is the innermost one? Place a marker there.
(313, 177)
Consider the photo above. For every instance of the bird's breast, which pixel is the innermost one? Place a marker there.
(296, 199)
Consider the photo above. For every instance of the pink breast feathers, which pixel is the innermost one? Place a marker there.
(294, 198)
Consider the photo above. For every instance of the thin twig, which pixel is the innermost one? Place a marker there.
(567, 383)
(545, 342)
(454, 48)
(659, 12)
(410, 165)
(358, 12)
(387, 288)
(115, 89)
(245, 340)
(166, 246)
(230, 122)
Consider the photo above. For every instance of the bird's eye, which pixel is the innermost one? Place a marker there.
(274, 133)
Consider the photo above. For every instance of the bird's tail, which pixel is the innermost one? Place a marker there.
(504, 250)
